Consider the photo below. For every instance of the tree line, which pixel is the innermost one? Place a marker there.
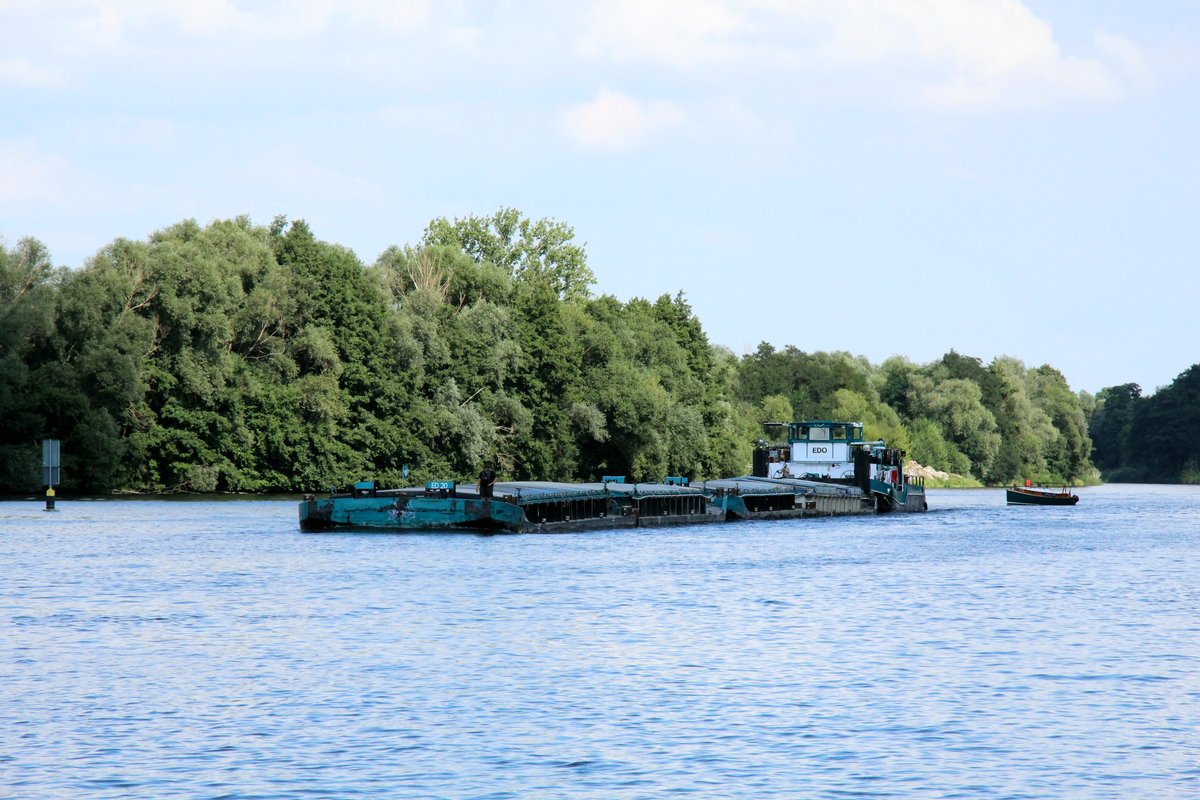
(1149, 439)
(237, 357)
(995, 423)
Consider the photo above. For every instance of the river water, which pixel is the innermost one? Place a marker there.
(208, 649)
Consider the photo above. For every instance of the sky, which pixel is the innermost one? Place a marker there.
(884, 177)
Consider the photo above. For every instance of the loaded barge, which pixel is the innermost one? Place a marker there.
(751, 497)
(514, 507)
(825, 468)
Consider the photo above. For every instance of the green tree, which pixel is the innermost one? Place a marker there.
(1022, 426)
(1067, 454)
(1166, 430)
(809, 381)
(929, 448)
(879, 420)
(542, 250)
(376, 386)
(776, 408)
(94, 379)
(28, 282)
(897, 379)
(1111, 425)
(956, 405)
(544, 382)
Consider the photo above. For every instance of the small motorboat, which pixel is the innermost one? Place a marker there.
(1040, 496)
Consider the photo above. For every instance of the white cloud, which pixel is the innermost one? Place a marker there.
(982, 38)
(285, 20)
(204, 17)
(93, 25)
(974, 54)
(1030, 85)
(677, 32)
(395, 15)
(76, 44)
(616, 121)
(967, 54)
(225, 18)
(99, 26)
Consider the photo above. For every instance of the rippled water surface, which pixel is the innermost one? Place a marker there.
(209, 649)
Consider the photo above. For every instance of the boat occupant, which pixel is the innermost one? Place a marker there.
(487, 480)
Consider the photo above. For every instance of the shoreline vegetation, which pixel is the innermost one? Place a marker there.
(940, 479)
(248, 359)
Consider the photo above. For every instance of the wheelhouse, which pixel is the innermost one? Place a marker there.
(819, 448)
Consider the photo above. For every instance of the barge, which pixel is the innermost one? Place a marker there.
(514, 507)
(824, 469)
(834, 453)
(751, 497)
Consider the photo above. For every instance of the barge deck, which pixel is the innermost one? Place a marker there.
(749, 497)
(515, 507)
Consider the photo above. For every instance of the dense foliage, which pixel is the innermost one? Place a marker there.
(243, 358)
(997, 423)
(1149, 439)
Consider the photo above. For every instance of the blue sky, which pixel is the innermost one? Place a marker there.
(879, 176)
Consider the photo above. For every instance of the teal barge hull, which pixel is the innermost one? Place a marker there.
(749, 497)
(909, 496)
(516, 507)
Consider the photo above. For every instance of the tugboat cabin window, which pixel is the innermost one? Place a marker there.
(825, 432)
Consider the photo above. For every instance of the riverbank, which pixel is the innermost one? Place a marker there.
(936, 479)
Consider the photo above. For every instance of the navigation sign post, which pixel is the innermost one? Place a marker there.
(51, 469)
